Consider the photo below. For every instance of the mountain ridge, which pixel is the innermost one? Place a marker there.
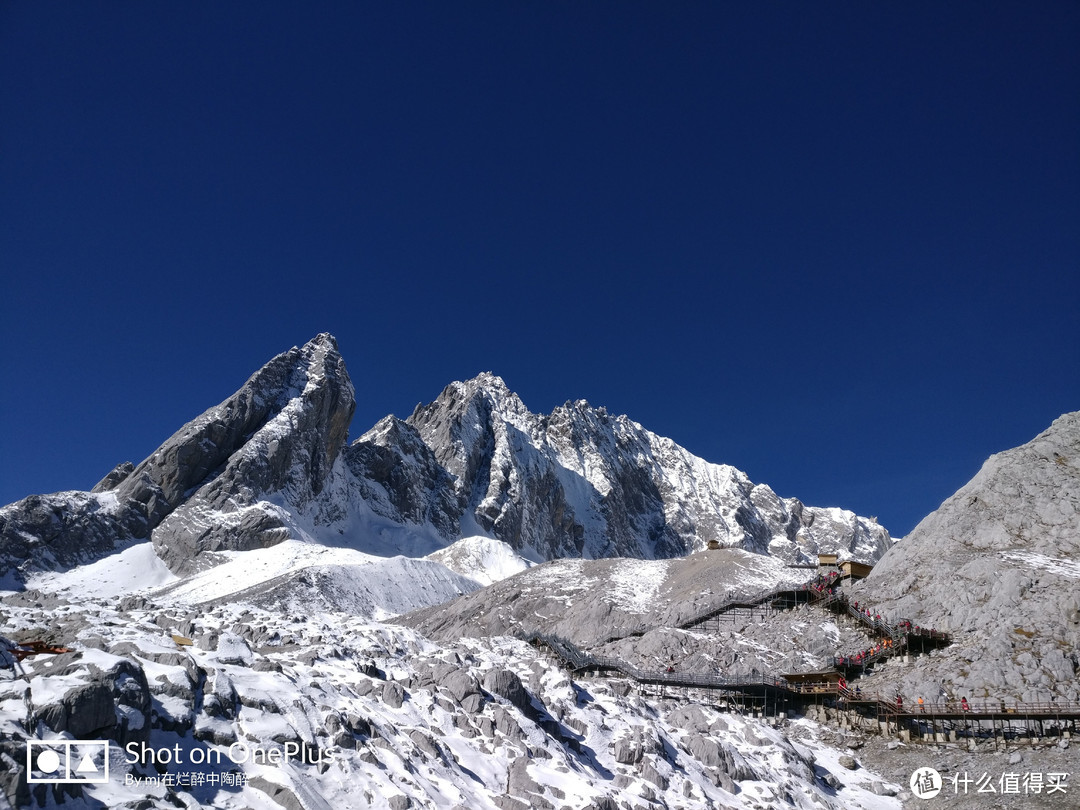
(288, 643)
(271, 462)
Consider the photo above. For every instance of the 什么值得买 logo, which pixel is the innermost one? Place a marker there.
(925, 783)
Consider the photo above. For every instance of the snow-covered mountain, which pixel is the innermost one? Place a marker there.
(257, 588)
(580, 482)
(270, 464)
(227, 480)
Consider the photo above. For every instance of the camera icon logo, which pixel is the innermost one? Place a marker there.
(58, 762)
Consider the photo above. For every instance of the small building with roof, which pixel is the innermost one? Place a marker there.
(855, 570)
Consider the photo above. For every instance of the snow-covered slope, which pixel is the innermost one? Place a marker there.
(481, 559)
(291, 576)
(312, 709)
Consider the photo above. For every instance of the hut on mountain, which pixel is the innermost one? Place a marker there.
(827, 560)
(855, 570)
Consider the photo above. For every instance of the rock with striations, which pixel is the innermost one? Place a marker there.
(265, 451)
(580, 482)
(226, 480)
(998, 566)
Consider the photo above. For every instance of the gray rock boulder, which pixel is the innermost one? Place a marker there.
(635, 746)
(111, 703)
(507, 684)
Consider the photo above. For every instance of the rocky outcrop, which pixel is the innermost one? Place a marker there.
(581, 482)
(222, 481)
(65, 529)
(110, 702)
(506, 684)
(998, 565)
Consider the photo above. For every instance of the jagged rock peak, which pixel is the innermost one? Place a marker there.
(580, 482)
(485, 393)
(276, 438)
(203, 488)
(488, 380)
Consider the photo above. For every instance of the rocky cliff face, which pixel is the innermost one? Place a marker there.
(268, 448)
(998, 565)
(400, 478)
(581, 482)
(208, 487)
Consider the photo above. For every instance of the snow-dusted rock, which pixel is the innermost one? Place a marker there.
(589, 601)
(581, 482)
(506, 684)
(226, 480)
(64, 529)
(398, 476)
(97, 696)
(998, 565)
(270, 446)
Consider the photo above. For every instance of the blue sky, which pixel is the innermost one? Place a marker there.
(834, 245)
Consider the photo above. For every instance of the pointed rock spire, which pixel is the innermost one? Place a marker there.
(202, 489)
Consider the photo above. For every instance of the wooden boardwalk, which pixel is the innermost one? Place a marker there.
(932, 721)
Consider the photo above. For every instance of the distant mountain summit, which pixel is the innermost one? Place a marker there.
(581, 482)
(271, 463)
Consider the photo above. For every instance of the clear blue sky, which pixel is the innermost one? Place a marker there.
(832, 244)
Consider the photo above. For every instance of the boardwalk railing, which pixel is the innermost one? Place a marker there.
(576, 659)
(898, 638)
